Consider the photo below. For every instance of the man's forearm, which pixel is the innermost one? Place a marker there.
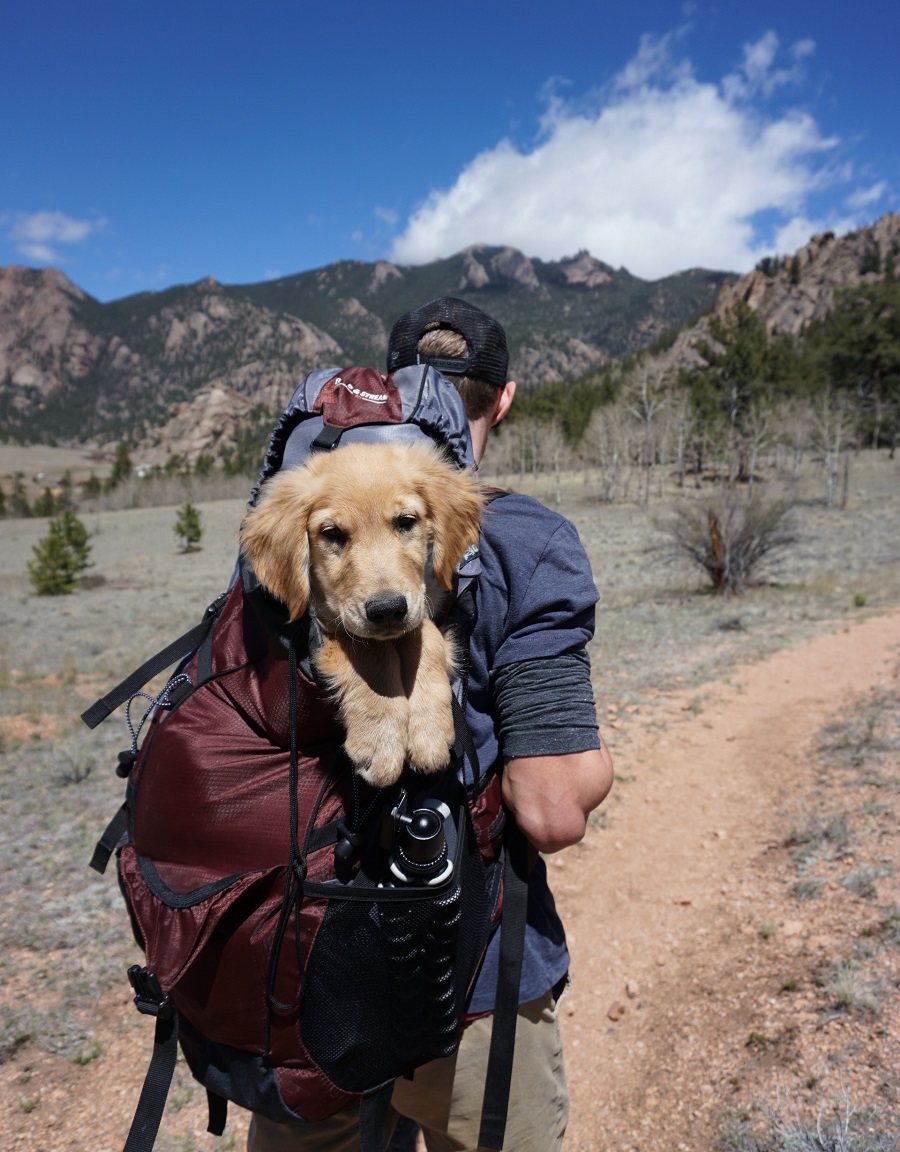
(551, 797)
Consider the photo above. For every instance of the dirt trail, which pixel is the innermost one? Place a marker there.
(660, 908)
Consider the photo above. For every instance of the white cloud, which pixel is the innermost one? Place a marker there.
(37, 236)
(758, 75)
(386, 215)
(866, 197)
(666, 173)
(39, 253)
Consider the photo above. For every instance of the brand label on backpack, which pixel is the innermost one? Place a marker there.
(359, 396)
(381, 398)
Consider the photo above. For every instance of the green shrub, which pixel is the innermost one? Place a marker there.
(60, 557)
(188, 527)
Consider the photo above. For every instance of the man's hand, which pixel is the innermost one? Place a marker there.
(551, 797)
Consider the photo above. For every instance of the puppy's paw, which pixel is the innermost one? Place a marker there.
(381, 772)
(378, 751)
(430, 740)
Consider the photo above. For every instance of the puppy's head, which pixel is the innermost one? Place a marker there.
(349, 535)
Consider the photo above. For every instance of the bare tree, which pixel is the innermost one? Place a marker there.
(833, 437)
(797, 420)
(757, 436)
(554, 453)
(604, 446)
(503, 457)
(645, 397)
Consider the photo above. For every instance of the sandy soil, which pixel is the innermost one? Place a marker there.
(672, 974)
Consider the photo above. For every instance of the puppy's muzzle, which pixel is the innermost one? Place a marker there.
(387, 611)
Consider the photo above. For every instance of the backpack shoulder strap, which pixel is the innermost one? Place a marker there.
(503, 1030)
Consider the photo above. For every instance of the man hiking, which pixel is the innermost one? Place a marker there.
(530, 707)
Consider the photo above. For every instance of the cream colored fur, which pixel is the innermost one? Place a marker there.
(353, 528)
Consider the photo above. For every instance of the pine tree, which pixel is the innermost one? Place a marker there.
(122, 466)
(66, 487)
(18, 501)
(91, 486)
(188, 527)
(60, 557)
(76, 537)
(46, 504)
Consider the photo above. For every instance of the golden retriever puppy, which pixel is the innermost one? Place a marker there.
(349, 536)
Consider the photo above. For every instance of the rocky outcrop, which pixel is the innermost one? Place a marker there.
(354, 324)
(383, 273)
(584, 270)
(561, 359)
(482, 267)
(789, 293)
(475, 275)
(42, 338)
(202, 426)
(511, 264)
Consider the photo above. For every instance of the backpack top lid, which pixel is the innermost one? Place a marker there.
(360, 406)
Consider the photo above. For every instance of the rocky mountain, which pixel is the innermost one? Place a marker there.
(75, 370)
(149, 366)
(561, 317)
(789, 293)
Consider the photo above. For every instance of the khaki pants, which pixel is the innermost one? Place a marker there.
(445, 1096)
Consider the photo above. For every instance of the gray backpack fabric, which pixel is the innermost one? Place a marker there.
(360, 406)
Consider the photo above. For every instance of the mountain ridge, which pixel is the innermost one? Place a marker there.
(75, 370)
(184, 370)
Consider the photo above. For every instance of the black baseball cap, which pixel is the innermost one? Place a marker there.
(488, 357)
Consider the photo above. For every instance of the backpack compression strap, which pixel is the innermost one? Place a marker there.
(177, 650)
(147, 1117)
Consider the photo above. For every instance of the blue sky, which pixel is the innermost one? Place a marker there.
(150, 144)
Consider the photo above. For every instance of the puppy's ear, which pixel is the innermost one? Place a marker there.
(273, 538)
(455, 505)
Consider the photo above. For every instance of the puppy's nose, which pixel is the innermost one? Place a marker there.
(386, 609)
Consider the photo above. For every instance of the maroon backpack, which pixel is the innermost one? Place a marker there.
(308, 939)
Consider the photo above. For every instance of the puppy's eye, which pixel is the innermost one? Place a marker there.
(406, 523)
(333, 534)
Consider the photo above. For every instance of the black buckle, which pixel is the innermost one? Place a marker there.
(149, 996)
(125, 763)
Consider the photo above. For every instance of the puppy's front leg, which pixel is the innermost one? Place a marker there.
(427, 663)
(366, 681)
